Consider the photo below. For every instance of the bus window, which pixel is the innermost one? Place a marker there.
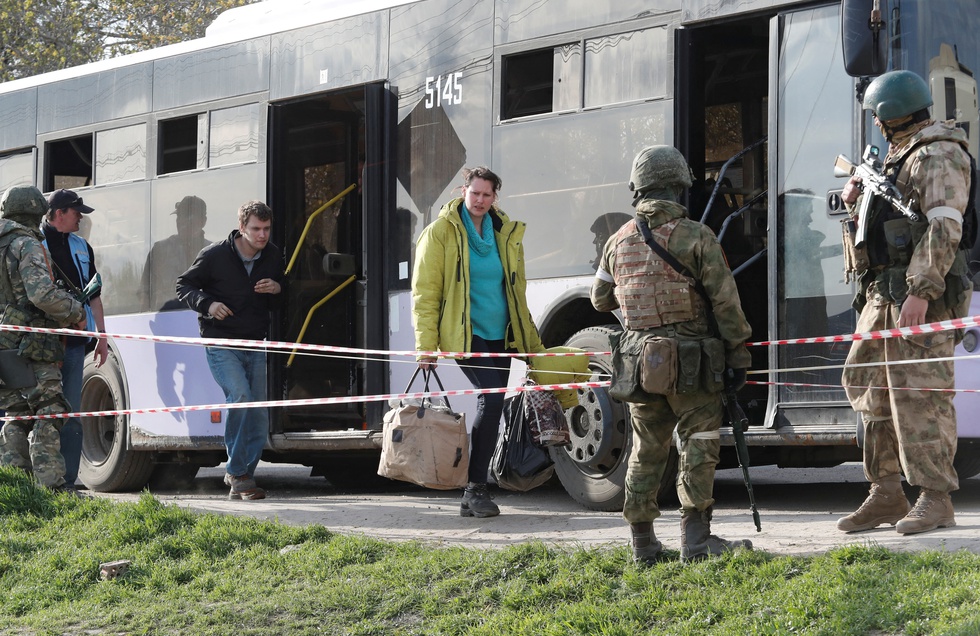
(234, 135)
(120, 154)
(617, 68)
(183, 144)
(68, 163)
(543, 81)
(16, 169)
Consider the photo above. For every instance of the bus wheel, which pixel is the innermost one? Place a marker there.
(107, 465)
(593, 467)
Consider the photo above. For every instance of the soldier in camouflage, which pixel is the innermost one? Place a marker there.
(657, 300)
(916, 274)
(29, 297)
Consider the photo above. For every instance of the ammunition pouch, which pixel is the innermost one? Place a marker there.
(39, 347)
(645, 366)
(658, 365)
(855, 258)
(959, 291)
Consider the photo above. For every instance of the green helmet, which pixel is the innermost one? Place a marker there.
(897, 94)
(659, 167)
(23, 204)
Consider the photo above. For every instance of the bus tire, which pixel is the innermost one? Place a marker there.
(107, 464)
(592, 469)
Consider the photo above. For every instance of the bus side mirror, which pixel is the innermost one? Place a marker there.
(864, 38)
(338, 265)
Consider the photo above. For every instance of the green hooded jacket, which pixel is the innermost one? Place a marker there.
(441, 284)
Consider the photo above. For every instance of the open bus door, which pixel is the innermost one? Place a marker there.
(761, 111)
(812, 118)
(322, 145)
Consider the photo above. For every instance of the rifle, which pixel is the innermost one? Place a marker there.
(740, 422)
(874, 184)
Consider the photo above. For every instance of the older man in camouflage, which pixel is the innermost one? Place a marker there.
(916, 274)
(658, 300)
(29, 297)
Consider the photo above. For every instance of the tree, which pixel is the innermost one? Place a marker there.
(37, 36)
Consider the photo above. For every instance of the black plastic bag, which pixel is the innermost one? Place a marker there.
(518, 464)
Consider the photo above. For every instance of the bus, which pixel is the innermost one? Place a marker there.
(295, 101)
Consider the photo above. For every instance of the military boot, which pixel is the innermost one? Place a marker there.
(646, 549)
(698, 543)
(932, 510)
(886, 503)
(477, 502)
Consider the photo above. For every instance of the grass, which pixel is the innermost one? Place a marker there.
(209, 574)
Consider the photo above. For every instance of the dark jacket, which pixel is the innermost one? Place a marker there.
(218, 274)
(68, 267)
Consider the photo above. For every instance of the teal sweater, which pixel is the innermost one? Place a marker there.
(488, 304)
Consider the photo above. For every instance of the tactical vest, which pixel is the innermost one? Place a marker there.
(18, 310)
(650, 292)
(892, 239)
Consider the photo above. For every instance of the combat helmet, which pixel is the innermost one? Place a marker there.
(23, 204)
(660, 167)
(897, 94)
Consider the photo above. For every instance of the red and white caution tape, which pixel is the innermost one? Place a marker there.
(856, 386)
(932, 327)
(292, 346)
(858, 365)
(314, 401)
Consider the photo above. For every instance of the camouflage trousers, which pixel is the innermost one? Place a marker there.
(904, 430)
(42, 452)
(697, 418)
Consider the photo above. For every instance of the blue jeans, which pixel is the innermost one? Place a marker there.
(242, 376)
(485, 373)
(71, 430)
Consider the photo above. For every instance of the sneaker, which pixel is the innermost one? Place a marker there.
(243, 487)
(477, 502)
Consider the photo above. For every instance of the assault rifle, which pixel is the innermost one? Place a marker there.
(739, 422)
(874, 184)
(81, 295)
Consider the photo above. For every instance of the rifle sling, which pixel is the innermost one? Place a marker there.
(75, 291)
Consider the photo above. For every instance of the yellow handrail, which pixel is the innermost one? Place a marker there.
(309, 315)
(309, 222)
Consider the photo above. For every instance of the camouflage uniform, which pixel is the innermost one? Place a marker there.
(29, 297)
(680, 313)
(905, 430)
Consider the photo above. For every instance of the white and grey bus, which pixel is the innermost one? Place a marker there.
(292, 101)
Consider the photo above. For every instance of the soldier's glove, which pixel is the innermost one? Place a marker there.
(735, 379)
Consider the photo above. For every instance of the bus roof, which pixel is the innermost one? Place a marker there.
(234, 25)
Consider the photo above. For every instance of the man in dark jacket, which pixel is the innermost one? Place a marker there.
(74, 267)
(233, 285)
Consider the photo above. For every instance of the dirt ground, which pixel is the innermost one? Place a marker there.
(799, 510)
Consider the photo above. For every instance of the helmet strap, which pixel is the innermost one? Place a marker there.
(906, 123)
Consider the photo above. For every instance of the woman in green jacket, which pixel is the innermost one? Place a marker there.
(468, 293)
